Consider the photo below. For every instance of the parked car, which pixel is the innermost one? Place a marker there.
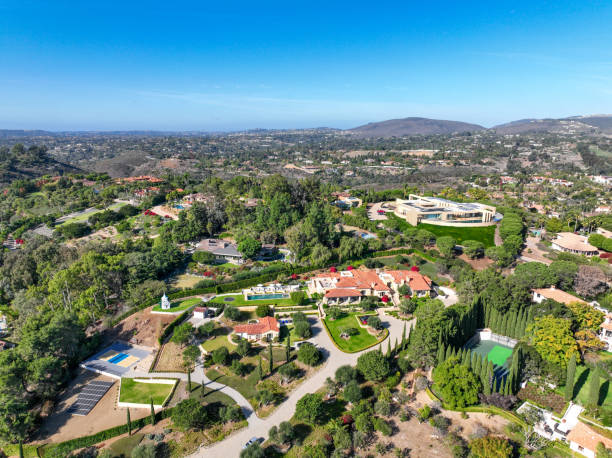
(252, 440)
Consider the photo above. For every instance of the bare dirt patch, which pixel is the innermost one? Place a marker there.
(141, 328)
(479, 263)
(170, 359)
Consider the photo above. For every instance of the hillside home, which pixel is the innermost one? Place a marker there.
(584, 440)
(266, 328)
(541, 294)
(568, 242)
(224, 251)
(444, 212)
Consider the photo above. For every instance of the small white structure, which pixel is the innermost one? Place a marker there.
(584, 440)
(165, 303)
(200, 313)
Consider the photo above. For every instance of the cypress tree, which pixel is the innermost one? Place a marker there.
(153, 409)
(259, 370)
(594, 389)
(569, 379)
(494, 321)
(473, 362)
(465, 358)
(288, 349)
(483, 370)
(476, 364)
(188, 381)
(441, 354)
(468, 358)
(504, 326)
(404, 337)
(20, 448)
(129, 422)
(271, 357)
(395, 347)
(512, 325)
(487, 382)
(389, 348)
(487, 315)
(449, 353)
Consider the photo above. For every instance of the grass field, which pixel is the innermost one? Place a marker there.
(581, 388)
(219, 339)
(238, 300)
(85, 216)
(125, 445)
(211, 396)
(245, 386)
(355, 343)
(141, 393)
(179, 306)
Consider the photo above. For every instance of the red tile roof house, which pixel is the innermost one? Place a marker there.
(348, 287)
(266, 328)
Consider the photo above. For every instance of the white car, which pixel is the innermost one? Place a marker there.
(251, 441)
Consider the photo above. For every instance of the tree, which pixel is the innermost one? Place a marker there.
(265, 397)
(206, 329)
(590, 281)
(491, 447)
(144, 451)
(320, 255)
(334, 313)
(298, 297)
(432, 319)
(553, 339)
(220, 356)
(190, 356)
(473, 248)
(565, 273)
(182, 333)
(351, 248)
(129, 422)
(238, 368)
(302, 329)
(374, 322)
(363, 423)
(153, 412)
(189, 414)
(458, 385)
(586, 316)
(249, 247)
(446, 245)
(594, 387)
(309, 408)
(352, 391)
(342, 439)
(569, 380)
(373, 365)
(283, 434)
(263, 310)
(345, 374)
(230, 413)
(232, 313)
(288, 371)
(602, 451)
(308, 354)
(243, 348)
(203, 257)
(252, 451)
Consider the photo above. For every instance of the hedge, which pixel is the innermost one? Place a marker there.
(64, 448)
(170, 328)
(29, 451)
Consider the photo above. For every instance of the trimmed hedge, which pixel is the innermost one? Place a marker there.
(64, 448)
(170, 328)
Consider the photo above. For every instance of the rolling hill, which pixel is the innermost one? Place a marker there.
(412, 126)
(592, 123)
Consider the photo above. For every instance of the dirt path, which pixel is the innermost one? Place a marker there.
(498, 239)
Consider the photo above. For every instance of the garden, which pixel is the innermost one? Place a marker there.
(179, 306)
(356, 341)
(238, 300)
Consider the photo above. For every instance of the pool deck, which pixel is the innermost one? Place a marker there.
(116, 365)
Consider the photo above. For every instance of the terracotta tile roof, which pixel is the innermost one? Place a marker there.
(199, 309)
(343, 292)
(558, 295)
(588, 438)
(607, 325)
(416, 280)
(263, 325)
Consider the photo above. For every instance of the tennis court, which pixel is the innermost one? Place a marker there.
(497, 353)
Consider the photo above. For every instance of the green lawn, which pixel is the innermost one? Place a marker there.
(125, 445)
(179, 306)
(486, 235)
(211, 396)
(219, 339)
(357, 342)
(581, 388)
(238, 300)
(85, 217)
(245, 386)
(288, 330)
(141, 393)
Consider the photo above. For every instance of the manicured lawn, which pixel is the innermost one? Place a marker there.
(219, 339)
(357, 342)
(84, 217)
(211, 396)
(238, 300)
(245, 386)
(141, 393)
(581, 388)
(486, 235)
(288, 330)
(179, 306)
(125, 445)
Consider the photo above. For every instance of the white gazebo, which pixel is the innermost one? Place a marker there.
(165, 303)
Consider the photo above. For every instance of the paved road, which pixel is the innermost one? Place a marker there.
(231, 447)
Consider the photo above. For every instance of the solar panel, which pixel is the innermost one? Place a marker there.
(89, 396)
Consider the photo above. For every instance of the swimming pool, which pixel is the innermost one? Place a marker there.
(267, 296)
(118, 358)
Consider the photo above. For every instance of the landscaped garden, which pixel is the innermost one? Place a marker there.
(358, 341)
(179, 306)
(238, 300)
(142, 392)
(219, 338)
(582, 385)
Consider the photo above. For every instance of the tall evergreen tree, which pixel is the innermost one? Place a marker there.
(487, 382)
(404, 343)
(20, 448)
(594, 389)
(569, 379)
(504, 326)
(259, 370)
(389, 348)
(441, 354)
(188, 381)
(271, 357)
(288, 348)
(476, 364)
(449, 352)
(153, 410)
(512, 325)
(129, 422)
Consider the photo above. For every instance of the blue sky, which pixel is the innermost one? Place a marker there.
(180, 65)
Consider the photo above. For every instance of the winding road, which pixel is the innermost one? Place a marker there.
(259, 427)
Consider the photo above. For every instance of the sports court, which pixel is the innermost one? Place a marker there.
(497, 353)
(116, 360)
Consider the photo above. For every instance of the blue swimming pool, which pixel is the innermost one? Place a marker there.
(118, 358)
(267, 296)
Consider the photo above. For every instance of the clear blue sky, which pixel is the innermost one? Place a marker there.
(179, 65)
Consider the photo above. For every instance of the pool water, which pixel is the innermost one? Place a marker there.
(118, 358)
(267, 296)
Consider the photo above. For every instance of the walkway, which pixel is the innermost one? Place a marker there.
(334, 358)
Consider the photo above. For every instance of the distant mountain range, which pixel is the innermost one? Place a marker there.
(390, 128)
(425, 126)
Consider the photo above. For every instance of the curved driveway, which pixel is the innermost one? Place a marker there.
(259, 427)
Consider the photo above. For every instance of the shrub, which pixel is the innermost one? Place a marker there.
(308, 354)
(302, 329)
(382, 426)
(189, 414)
(352, 391)
(263, 310)
(232, 313)
(220, 356)
(298, 297)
